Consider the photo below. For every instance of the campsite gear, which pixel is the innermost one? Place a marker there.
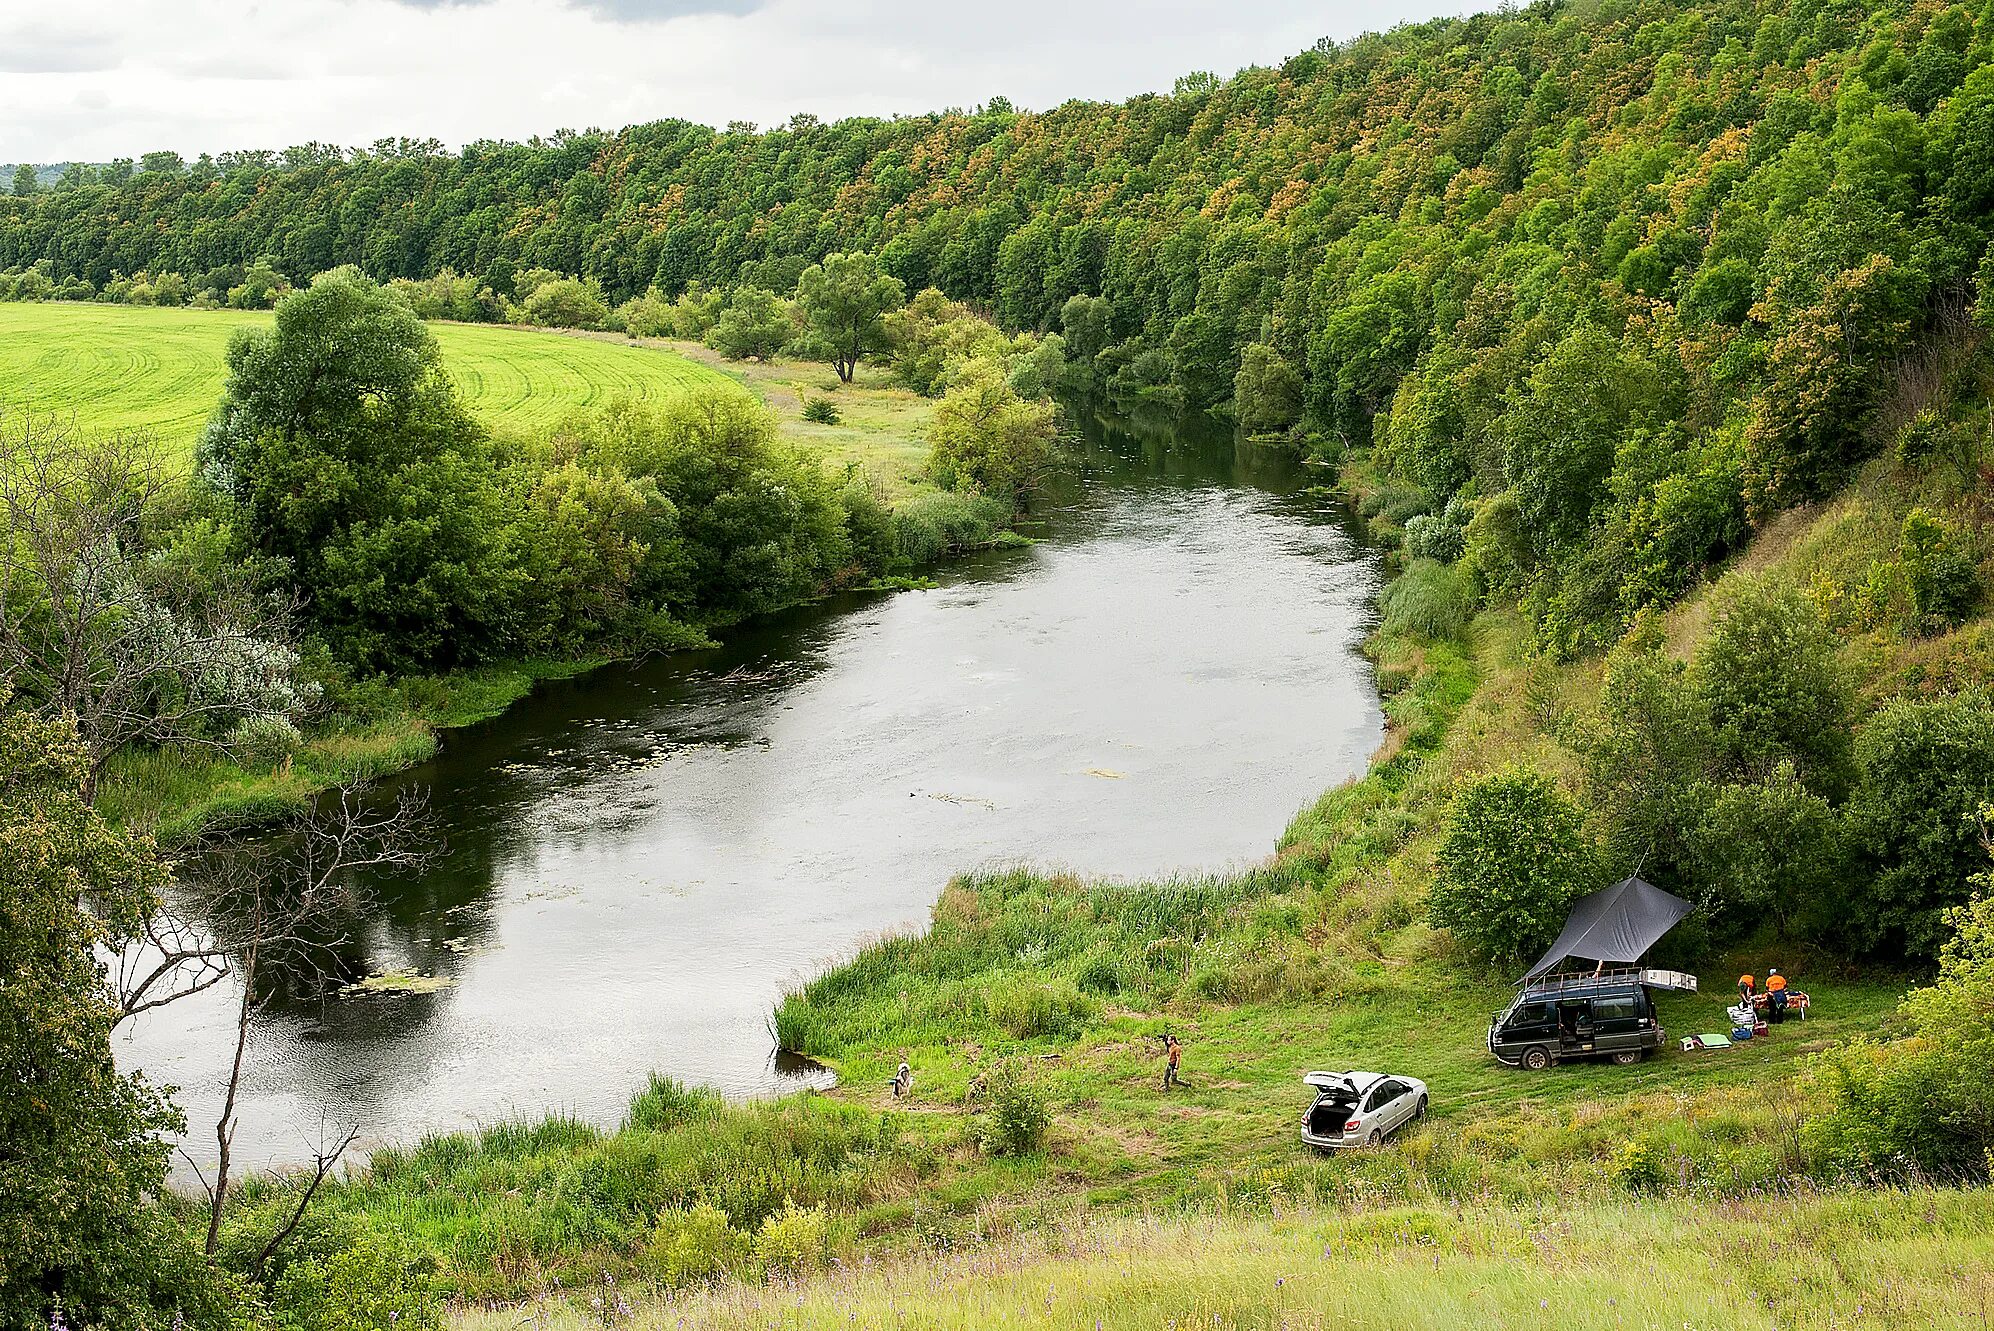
(1741, 1015)
(1562, 1017)
(1354, 1109)
(1741, 1032)
(1616, 924)
(1715, 1041)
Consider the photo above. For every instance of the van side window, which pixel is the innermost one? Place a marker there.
(1607, 1011)
(1532, 1014)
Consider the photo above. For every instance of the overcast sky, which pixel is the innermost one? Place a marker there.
(94, 79)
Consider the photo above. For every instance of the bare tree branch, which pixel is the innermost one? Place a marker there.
(323, 1160)
(275, 908)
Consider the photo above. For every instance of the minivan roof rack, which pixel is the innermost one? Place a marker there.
(1653, 978)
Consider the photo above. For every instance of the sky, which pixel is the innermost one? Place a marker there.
(89, 80)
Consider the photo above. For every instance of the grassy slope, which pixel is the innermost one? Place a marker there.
(138, 367)
(1881, 1259)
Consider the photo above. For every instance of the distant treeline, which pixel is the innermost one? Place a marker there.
(1640, 265)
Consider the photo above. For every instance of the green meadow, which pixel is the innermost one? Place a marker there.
(118, 367)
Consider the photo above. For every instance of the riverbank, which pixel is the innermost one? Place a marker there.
(181, 792)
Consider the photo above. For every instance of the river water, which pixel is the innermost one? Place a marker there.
(640, 861)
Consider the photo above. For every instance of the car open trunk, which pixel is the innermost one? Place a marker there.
(1331, 1111)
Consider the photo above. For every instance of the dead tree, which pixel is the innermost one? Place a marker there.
(92, 628)
(274, 912)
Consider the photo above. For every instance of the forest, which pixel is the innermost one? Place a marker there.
(1650, 339)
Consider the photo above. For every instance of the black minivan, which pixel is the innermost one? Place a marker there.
(1578, 1016)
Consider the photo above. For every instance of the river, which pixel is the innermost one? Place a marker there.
(640, 861)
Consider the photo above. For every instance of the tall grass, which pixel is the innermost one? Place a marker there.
(1885, 1259)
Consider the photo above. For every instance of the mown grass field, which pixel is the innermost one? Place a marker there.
(114, 367)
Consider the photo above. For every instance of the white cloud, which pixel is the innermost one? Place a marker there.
(122, 77)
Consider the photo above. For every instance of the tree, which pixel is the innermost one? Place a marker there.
(983, 435)
(1267, 391)
(1927, 767)
(273, 908)
(100, 629)
(844, 301)
(25, 181)
(1514, 859)
(84, 1152)
(352, 458)
(756, 323)
(566, 303)
(1773, 683)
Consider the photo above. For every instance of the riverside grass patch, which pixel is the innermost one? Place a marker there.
(126, 367)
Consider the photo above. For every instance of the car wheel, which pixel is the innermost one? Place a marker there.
(1373, 1139)
(1627, 1058)
(1537, 1058)
(1419, 1110)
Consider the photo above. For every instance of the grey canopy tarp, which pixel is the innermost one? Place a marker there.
(1618, 923)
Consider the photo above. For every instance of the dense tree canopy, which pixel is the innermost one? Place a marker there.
(1637, 267)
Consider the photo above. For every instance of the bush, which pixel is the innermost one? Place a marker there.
(794, 1241)
(567, 302)
(373, 1285)
(1940, 570)
(1431, 537)
(1514, 859)
(1430, 601)
(1267, 391)
(695, 1243)
(1926, 1103)
(929, 526)
(821, 410)
(755, 323)
(1015, 1115)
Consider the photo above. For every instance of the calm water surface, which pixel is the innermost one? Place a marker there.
(639, 862)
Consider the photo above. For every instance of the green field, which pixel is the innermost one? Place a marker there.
(117, 367)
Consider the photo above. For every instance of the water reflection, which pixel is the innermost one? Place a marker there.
(639, 861)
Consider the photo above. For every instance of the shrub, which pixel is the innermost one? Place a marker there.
(1514, 859)
(794, 1241)
(374, 1284)
(694, 1243)
(567, 302)
(821, 410)
(1939, 570)
(929, 526)
(1429, 601)
(1431, 537)
(1015, 1115)
(756, 323)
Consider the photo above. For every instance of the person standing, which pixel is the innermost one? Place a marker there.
(1172, 1053)
(1775, 996)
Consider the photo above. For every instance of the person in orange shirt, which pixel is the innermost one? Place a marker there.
(1747, 987)
(1775, 996)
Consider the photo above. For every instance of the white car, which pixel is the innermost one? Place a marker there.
(1355, 1109)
